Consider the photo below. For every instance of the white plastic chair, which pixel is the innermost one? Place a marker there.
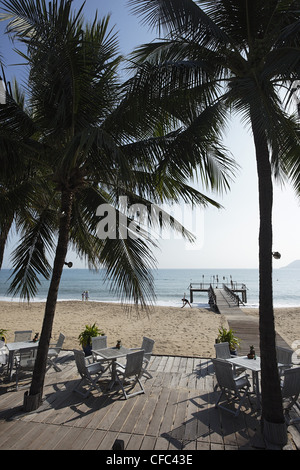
(290, 390)
(24, 362)
(147, 347)
(284, 357)
(223, 352)
(24, 335)
(3, 355)
(98, 342)
(54, 351)
(233, 388)
(90, 373)
(131, 373)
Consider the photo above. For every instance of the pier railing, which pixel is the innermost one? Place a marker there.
(212, 300)
(234, 296)
(200, 285)
(231, 288)
(206, 285)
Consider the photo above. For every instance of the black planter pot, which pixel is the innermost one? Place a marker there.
(87, 350)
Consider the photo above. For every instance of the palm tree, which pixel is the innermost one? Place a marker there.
(243, 57)
(95, 143)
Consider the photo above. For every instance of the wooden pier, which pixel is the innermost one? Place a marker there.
(233, 289)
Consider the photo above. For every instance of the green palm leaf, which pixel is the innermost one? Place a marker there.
(29, 259)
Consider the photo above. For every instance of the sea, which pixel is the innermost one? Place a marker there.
(170, 286)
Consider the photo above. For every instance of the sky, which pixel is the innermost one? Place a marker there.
(227, 237)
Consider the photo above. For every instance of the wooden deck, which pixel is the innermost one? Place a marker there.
(176, 413)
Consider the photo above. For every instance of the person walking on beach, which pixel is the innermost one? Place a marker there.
(185, 301)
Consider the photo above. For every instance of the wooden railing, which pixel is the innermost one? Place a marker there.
(212, 300)
(234, 296)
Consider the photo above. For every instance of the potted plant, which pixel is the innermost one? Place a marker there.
(228, 336)
(85, 337)
(251, 354)
(3, 334)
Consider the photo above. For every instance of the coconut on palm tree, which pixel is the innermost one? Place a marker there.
(97, 144)
(237, 56)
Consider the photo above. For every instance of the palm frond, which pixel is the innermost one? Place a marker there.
(30, 258)
(30, 19)
(128, 265)
(170, 16)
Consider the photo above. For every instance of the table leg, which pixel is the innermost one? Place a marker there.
(10, 364)
(255, 379)
(113, 374)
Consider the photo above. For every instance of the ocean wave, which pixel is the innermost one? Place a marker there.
(158, 303)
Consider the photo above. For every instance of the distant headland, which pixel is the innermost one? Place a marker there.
(293, 265)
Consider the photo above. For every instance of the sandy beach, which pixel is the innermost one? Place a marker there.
(176, 331)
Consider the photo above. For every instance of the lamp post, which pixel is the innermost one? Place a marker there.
(2, 91)
(70, 264)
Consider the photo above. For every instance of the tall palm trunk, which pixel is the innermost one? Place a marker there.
(272, 411)
(37, 384)
(3, 237)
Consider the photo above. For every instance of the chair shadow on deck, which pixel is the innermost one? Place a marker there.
(76, 406)
(204, 368)
(209, 424)
(61, 401)
(215, 425)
